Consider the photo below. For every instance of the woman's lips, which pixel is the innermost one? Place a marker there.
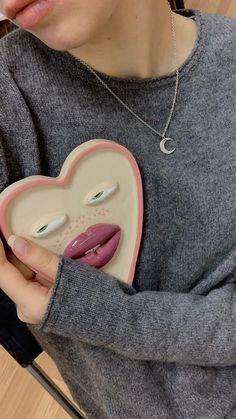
(15, 6)
(34, 13)
(103, 238)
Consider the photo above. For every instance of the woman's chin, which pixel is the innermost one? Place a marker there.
(60, 39)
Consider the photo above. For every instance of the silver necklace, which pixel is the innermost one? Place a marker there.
(164, 139)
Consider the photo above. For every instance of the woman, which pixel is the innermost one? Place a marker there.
(165, 346)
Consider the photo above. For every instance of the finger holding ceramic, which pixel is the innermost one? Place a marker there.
(40, 260)
(25, 270)
(31, 298)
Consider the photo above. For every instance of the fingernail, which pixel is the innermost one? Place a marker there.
(20, 245)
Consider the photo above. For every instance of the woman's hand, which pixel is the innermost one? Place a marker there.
(30, 292)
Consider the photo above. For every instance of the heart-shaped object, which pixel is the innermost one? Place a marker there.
(92, 212)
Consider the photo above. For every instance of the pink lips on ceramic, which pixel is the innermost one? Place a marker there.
(103, 238)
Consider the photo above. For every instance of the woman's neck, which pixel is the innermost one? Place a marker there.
(137, 42)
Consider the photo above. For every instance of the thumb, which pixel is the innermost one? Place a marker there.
(40, 260)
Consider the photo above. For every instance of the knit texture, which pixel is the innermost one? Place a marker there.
(165, 347)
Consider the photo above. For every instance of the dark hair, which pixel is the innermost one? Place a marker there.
(176, 4)
(6, 26)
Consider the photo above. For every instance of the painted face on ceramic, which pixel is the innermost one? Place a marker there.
(92, 212)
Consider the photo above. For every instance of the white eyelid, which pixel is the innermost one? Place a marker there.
(107, 188)
(53, 222)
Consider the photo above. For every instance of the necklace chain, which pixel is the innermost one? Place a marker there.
(164, 139)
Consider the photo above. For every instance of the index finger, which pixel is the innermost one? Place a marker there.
(12, 282)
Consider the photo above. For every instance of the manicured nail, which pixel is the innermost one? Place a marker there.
(20, 245)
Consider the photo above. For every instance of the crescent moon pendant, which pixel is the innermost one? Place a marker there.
(163, 148)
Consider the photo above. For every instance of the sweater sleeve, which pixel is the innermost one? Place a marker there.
(186, 328)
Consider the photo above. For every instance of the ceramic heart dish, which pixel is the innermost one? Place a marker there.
(92, 212)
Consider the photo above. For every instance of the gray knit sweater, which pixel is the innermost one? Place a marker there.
(164, 347)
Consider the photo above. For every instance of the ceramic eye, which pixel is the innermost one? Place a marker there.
(43, 229)
(102, 192)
